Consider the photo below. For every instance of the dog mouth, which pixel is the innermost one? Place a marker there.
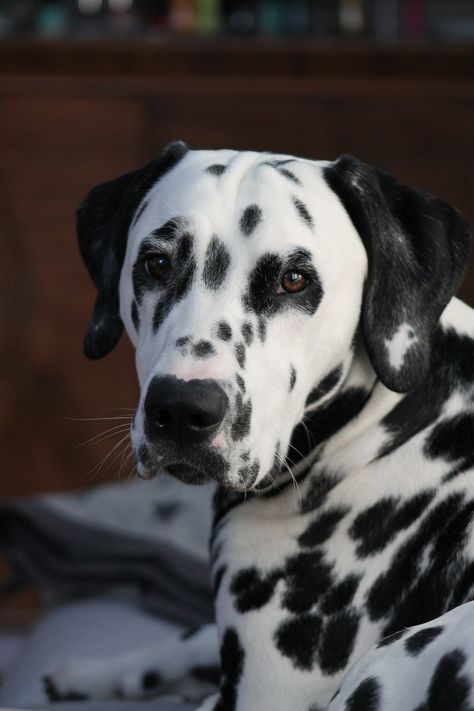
(187, 473)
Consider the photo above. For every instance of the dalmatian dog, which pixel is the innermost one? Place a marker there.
(298, 342)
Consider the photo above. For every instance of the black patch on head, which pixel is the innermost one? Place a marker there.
(209, 673)
(321, 528)
(239, 349)
(292, 377)
(262, 297)
(298, 639)
(303, 211)
(426, 564)
(366, 697)
(224, 331)
(251, 217)
(337, 641)
(418, 641)
(387, 641)
(251, 589)
(179, 283)
(232, 660)
(203, 349)
(327, 384)
(135, 316)
(375, 527)
(448, 689)
(216, 169)
(241, 424)
(240, 382)
(340, 595)
(247, 332)
(151, 680)
(216, 265)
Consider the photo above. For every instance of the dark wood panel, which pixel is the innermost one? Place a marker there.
(93, 117)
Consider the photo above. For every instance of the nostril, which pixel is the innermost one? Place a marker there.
(162, 419)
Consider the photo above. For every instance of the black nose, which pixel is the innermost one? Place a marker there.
(185, 412)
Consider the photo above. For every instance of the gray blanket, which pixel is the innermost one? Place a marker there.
(149, 536)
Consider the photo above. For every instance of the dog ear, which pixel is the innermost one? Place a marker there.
(103, 222)
(417, 249)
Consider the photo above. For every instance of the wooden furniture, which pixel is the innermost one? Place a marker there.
(73, 115)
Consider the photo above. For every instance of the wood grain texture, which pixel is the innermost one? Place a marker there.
(72, 116)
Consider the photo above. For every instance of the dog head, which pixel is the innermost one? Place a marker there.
(243, 280)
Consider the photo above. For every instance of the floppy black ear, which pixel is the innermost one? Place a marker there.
(103, 222)
(417, 249)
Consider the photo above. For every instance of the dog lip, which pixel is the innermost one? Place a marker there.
(186, 473)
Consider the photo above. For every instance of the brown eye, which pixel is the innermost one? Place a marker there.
(157, 266)
(293, 282)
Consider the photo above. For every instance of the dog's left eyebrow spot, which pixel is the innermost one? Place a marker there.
(303, 211)
(203, 349)
(251, 217)
(216, 169)
(247, 332)
(217, 262)
(239, 349)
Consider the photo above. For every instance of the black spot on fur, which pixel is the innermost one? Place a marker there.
(53, 694)
(248, 474)
(203, 349)
(239, 349)
(321, 528)
(300, 595)
(298, 639)
(216, 265)
(366, 697)
(182, 344)
(387, 641)
(280, 167)
(337, 641)
(151, 680)
(240, 382)
(241, 425)
(224, 331)
(379, 524)
(232, 659)
(320, 486)
(340, 595)
(426, 565)
(251, 590)
(247, 332)
(292, 377)
(139, 212)
(216, 169)
(418, 641)
(262, 328)
(327, 384)
(448, 689)
(452, 439)
(135, 316)
(251, 217)
(303, 212)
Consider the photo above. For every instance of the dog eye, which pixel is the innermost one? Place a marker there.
(292, 282)
(157, 266)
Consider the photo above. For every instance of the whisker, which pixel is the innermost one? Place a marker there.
(99, 419)
(117, 429)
